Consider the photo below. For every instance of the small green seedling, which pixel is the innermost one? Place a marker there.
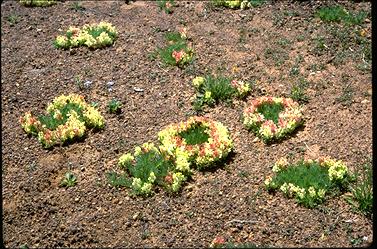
(69, 180)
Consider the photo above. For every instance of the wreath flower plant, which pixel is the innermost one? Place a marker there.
(211, 90)
(91, 35)
(272, 118)
(198, 141)
(68, 117)
(148, 167)
(178, 52)
(308, 180)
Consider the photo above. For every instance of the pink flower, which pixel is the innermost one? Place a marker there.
(234, 83)
(178, 55)
(219, 240)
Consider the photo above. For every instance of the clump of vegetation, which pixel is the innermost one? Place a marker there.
(212, 90)
(238, 4)
(198, 142)
(362, 191)
(68, 118)
(272, 118)
(166, 5)
(37, 3)
(340, 14)
(77, 6)
(13, 19)
(308, 180)
(298, 91)
(114, 106)
(69, 180)
(93, 36)
(146, 168)
(178, 52)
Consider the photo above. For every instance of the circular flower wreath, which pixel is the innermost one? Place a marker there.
(312, 190)
(289, 116)
(68, 118)
(217, 145)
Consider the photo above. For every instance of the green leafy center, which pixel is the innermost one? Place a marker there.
(195, 135)
(271, 111)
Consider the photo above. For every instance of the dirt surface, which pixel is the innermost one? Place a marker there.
(259, 45)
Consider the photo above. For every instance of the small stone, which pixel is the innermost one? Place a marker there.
(137, 89)
(120, 202)
(365, 101)
(255, 140)
(134, 217)
(77, 199)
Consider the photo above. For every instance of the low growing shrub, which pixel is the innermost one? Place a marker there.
(93, 36)
(272, 118)
(212, 90)
(308, 180)
(67, 118)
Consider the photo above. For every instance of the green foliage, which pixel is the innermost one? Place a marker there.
(362, 191)
(195, 135)
(69, 180)
(175, 37)
(347, 96)
(217, 89)
(118, 180)
(166, 5)
(147, 168)
(306, 177)
(37, 3)
(77, 6)
(147, 162)
(114, 106)
(97, 31)
(279, 55)
(340, 14)
(52, 123)
(271, 111)
(13, 19)
(177, 52)
(298, 93)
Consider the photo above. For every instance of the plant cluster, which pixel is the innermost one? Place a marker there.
(362, 191)
(148, 167)
(308, 180)
(68, 117)
(211, 90)
(69, 180)
(91, 35)
(178, 52)
(166, 5)
(236, 4)
(114, 106)
(272, 118)
(199, 141)
(340, 14)
(37, 3)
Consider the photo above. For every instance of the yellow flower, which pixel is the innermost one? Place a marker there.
(137, 150)
(124, 159)
(311, 191)
(198, 81)
(152, 177)
(207, 95)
